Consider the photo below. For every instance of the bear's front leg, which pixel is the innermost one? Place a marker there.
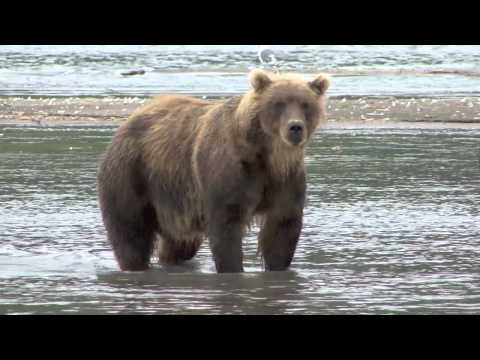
(282, 223)
(278, 240)
(226, 230)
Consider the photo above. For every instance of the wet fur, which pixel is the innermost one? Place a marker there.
(182, 169)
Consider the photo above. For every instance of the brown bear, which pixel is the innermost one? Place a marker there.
(181, 169)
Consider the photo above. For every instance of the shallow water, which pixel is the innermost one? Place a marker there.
(94, 70)
(391, 227)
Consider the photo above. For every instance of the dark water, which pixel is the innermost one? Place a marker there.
(94, 70)
(391, 227)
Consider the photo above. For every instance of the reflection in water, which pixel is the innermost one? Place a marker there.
(253, 292)
(391, 226)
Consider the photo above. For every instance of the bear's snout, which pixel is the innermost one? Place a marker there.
(296, 131)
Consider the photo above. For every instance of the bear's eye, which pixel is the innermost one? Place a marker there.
(307, 109)
(279, 106)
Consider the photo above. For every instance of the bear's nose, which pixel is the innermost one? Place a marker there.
(296, 128)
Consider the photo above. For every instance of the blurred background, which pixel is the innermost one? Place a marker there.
(367, 70)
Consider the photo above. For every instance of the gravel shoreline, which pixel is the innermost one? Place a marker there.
(344, 112)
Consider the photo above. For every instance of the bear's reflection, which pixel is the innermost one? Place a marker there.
(185, 290)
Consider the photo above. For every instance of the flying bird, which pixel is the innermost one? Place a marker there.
(266, 55)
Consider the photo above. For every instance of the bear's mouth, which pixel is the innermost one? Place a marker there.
(295, 139)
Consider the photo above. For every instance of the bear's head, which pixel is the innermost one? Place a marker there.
(285, 106)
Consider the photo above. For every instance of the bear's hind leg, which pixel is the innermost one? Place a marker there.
(225, 233)
(174, 251)
(132, 239)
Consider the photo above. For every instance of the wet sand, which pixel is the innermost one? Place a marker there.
(343, 112)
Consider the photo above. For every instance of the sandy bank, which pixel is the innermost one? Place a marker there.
(342, 112)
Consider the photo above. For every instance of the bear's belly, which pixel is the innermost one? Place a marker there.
(179, 212)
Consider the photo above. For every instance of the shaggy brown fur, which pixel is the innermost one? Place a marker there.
(182, 168)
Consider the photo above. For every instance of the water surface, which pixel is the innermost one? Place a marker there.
(391, 227)
(373, 70)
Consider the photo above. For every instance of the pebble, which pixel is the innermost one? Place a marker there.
(133, 72)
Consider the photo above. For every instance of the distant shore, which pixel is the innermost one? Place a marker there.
(343, 112)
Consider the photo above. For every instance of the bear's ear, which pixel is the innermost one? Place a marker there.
(320, 84)
(259, 80)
